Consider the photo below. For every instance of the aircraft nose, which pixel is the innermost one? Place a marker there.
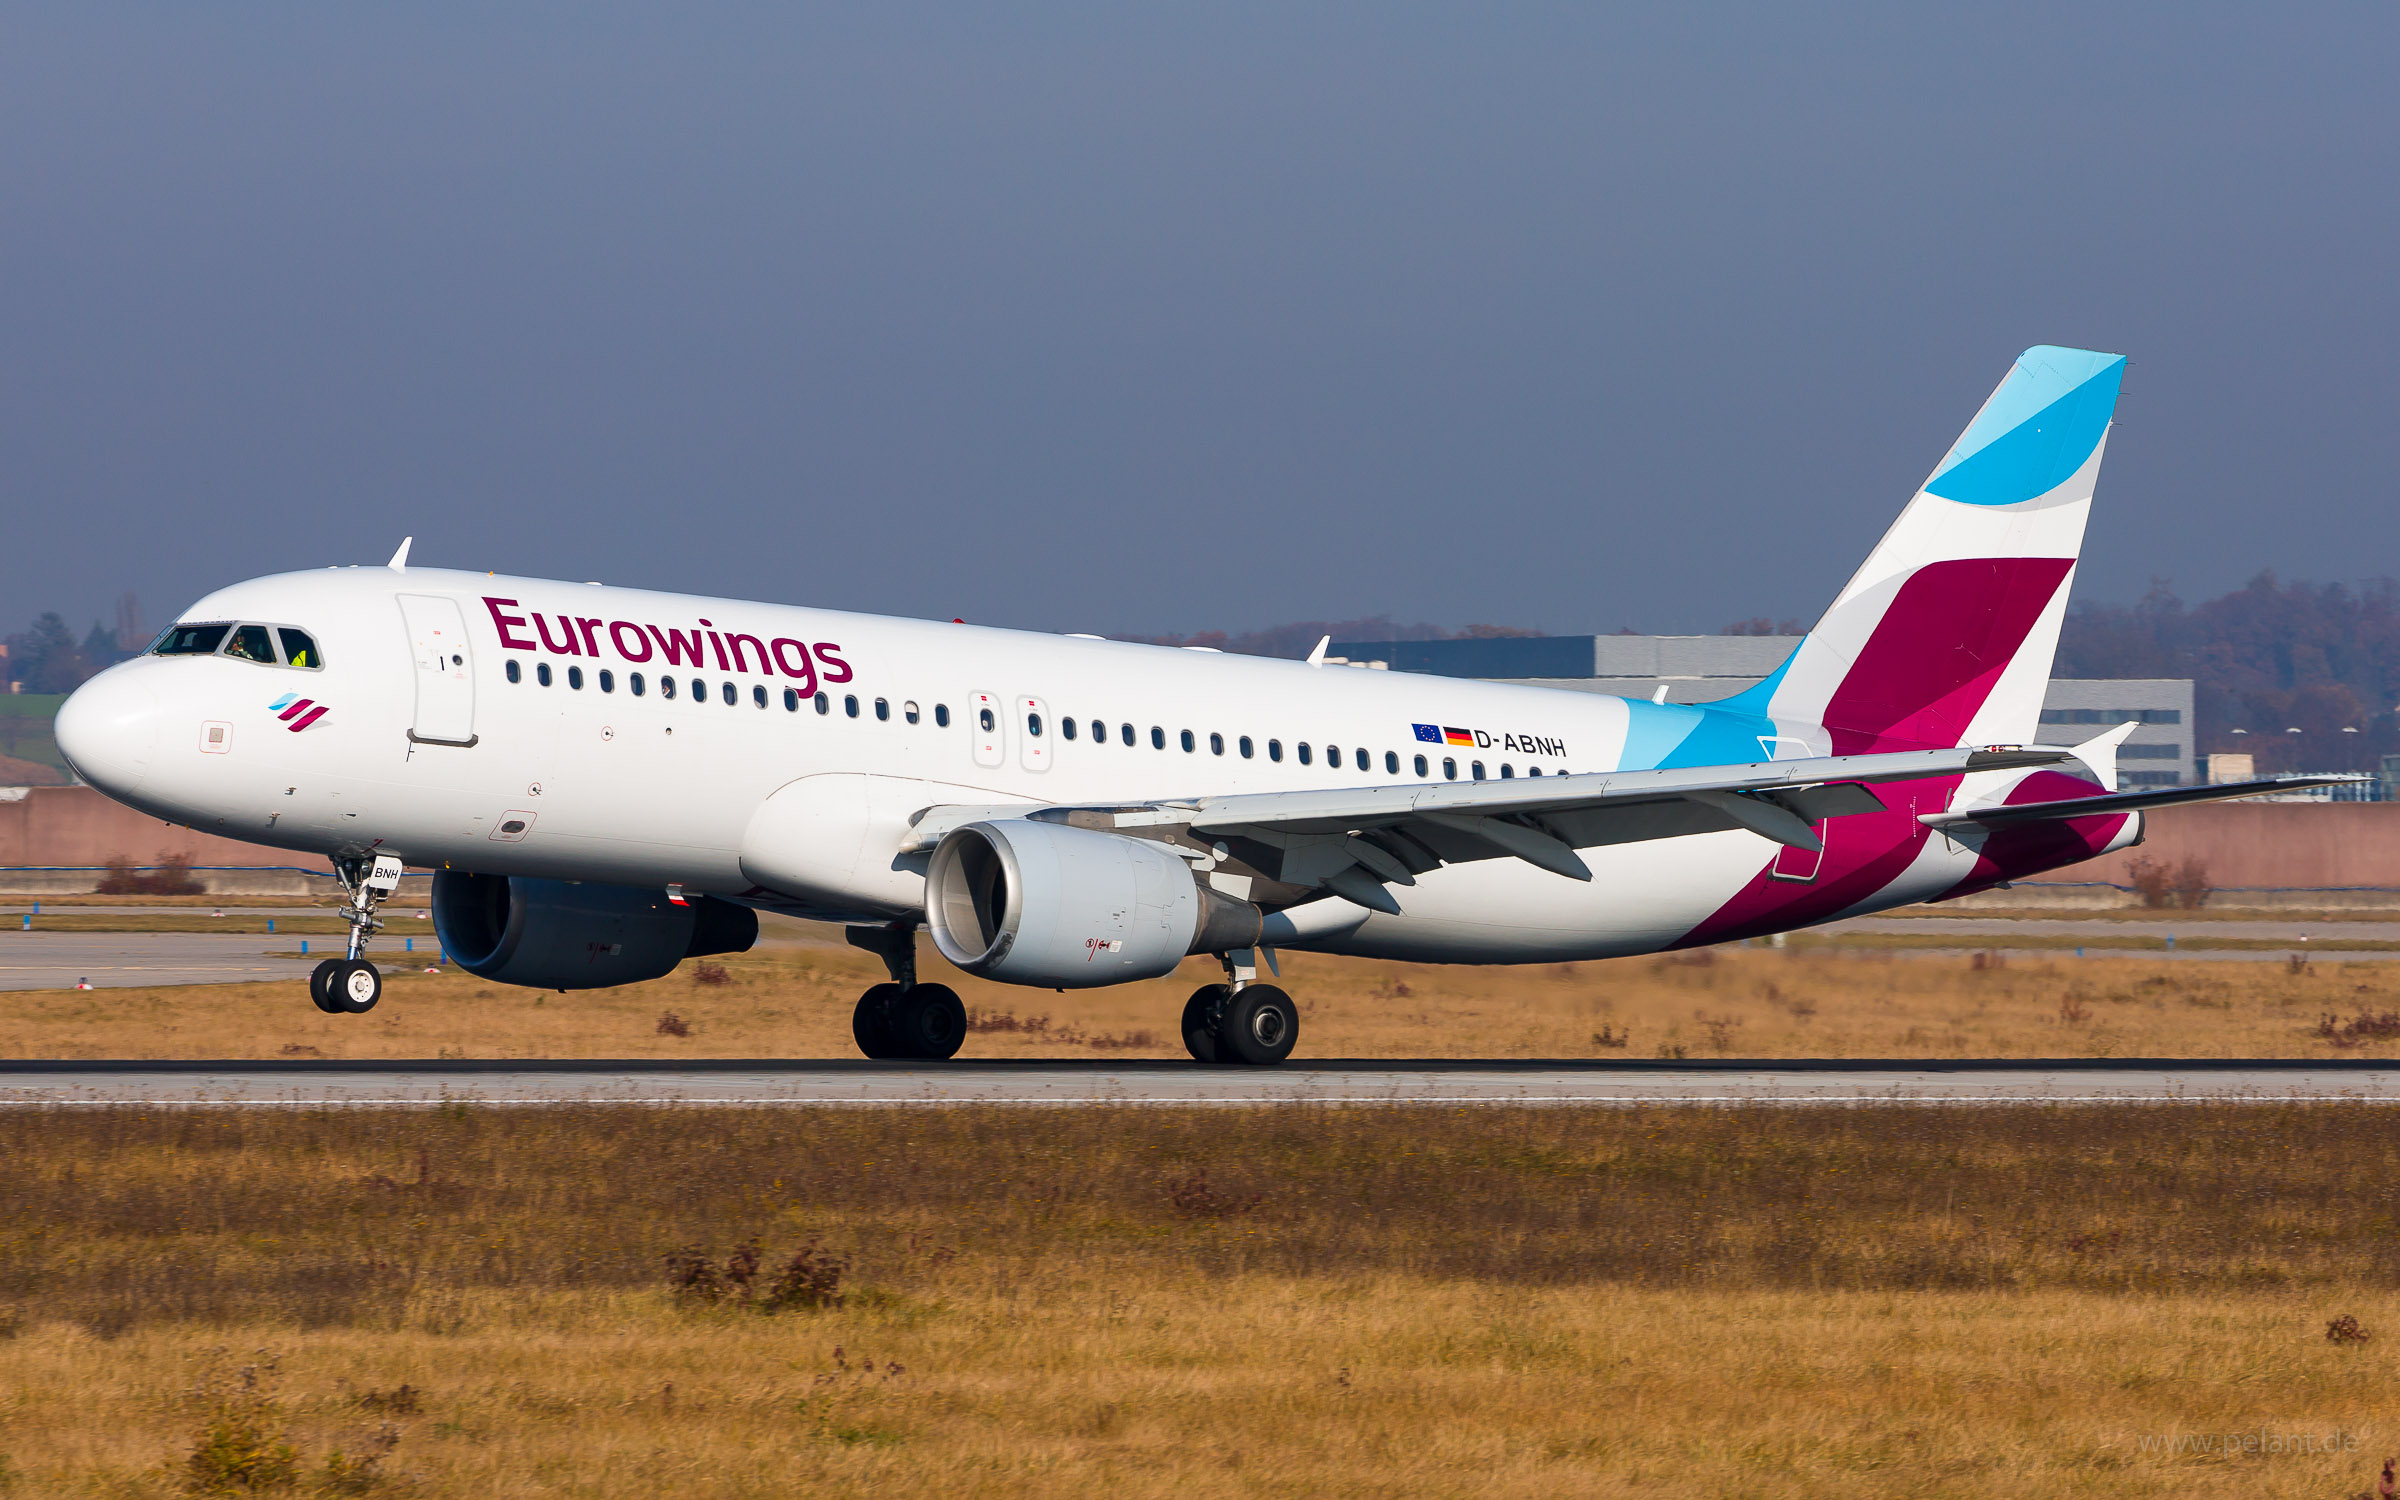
(108, 729)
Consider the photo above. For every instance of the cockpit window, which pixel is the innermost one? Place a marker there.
(298, 649)
(191, 640)
(250, 643)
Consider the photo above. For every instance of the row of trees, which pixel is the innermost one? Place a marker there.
(48, 658)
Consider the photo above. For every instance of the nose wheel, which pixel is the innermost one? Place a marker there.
(345, 986)
(350, 985)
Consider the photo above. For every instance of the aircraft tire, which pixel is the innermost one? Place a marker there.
(871, 1024)
(1259, 1027)
(1199, 1023)
(928, 1021)
(320, 987)
(354, 986)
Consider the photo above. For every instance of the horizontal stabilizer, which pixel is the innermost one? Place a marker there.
(2086, 807)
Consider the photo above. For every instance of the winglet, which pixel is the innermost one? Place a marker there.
(399, 562)
(2100, 752)
(1316, 658)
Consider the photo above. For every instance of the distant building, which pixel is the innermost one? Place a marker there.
(1704, 668)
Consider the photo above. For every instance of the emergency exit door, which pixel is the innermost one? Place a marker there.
(445, 670)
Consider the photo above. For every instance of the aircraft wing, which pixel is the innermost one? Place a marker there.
(2084, 807)
(1354, 841)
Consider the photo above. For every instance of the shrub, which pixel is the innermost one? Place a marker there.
(1195, 1198)
(240, 1449)
(810, 1278)
(671, 1024)
(2152, 881)
(705, 972)
(2345, 1330)
(2192, 887)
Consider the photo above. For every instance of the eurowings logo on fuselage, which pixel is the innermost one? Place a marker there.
(296, 711)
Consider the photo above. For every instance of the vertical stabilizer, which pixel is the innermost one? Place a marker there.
(1945, 634)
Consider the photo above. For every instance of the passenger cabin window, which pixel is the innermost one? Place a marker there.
(1246, 747)
(758, 695)
(1479, 770)
(1391, 762)
(666, 687)
(1158, 738)
(575, 678)
(883, 710)
(725, 690)
(1422, 772)
(541, 673)
(1188, 742)
(517, 673)
(1507, 771)
(608, 680)
(1302, 750)
(1066, 726)
(850, 704)
(1449, 769)
(1033, 725)
(699, 691)
(1275, 751)
(987, 719)
(300, 649)
(1216, 744)
(908, 710)
(791, 700)
(1127, 732)
(824, 704)
(250, 643)
(191, 640)
(1333, 757)
(941, 716)
(1362, 760)
(635, 681)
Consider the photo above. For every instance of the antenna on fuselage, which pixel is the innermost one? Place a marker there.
(399, 562)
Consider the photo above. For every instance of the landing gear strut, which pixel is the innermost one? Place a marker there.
(1240, 1022)
(904, 1019)
(351, 985)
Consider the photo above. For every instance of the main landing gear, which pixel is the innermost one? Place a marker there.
(904, 1019)
(1240, 1023)
(351, 985)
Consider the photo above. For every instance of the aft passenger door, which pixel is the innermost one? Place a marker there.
(445, 670)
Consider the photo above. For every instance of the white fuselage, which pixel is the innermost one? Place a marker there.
(459, 763)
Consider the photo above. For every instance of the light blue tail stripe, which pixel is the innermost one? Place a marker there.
(2036, 431)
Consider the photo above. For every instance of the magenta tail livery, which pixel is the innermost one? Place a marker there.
(609, 781)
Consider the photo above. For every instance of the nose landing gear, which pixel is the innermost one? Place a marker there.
(1240, 1022)
(904, 1019)
(351, 985)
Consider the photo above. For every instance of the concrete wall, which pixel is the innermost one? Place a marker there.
(74, 826)
(2267, 846)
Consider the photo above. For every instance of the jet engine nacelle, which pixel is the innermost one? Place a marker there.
(568, 935)
(1029, 902)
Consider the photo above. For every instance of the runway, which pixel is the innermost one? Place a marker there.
(121, 960)
(1347, 1082)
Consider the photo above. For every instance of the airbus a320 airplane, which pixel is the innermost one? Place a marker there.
(608, 781)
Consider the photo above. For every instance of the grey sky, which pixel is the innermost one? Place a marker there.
(1152, 318)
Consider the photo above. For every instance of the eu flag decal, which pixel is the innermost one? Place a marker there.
(1428, 733)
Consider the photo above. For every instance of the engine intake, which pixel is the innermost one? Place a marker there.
(1028, 902)
(568, 935)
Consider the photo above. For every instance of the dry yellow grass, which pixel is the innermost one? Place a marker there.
(789, 1000)
(1882, 1302)
(1254, 1386)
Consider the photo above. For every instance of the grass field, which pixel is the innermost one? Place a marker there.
(1872, 1302)
(795, 1001)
